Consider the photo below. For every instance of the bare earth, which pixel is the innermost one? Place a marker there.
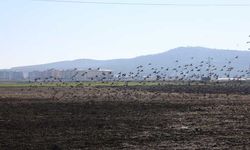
(122, 118)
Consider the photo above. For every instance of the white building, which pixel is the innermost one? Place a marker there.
(6, 75)
(72, 75)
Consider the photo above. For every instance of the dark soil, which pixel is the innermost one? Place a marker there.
(111, 118)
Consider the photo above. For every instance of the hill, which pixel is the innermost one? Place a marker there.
(184, 55)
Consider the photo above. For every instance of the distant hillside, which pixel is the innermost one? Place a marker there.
(166, 59)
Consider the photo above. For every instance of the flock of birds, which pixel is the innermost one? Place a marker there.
(205, 70)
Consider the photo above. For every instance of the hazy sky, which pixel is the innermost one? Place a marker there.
(34, 32)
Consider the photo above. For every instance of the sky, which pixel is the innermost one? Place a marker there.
(35, 32)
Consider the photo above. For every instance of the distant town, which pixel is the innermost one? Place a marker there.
(75, 75)
(57, 75)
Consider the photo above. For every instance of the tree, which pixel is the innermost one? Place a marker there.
(248, 42)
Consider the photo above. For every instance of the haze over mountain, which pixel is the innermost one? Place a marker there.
(165, 59)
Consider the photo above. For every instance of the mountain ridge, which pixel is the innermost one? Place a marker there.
(167, 58)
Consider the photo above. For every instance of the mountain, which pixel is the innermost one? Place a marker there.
(166, 59)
